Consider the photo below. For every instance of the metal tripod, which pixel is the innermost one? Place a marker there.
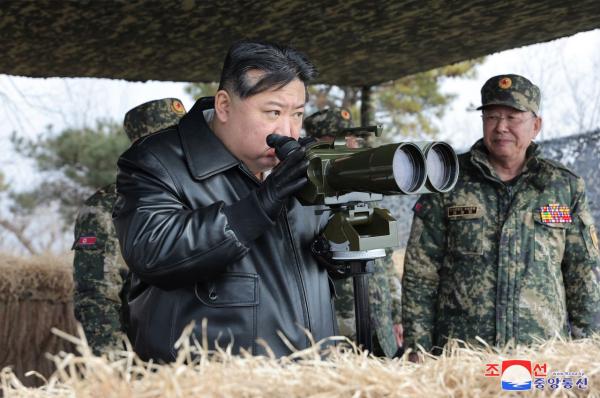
(360, 270)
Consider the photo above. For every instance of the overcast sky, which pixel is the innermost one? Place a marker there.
(567, 71)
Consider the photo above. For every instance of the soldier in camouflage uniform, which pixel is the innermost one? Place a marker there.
(100, 273)
(511, 253)
(384, 284)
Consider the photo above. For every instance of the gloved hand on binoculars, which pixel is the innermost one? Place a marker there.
(285, 179)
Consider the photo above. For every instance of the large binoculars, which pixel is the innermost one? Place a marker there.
(338, 174)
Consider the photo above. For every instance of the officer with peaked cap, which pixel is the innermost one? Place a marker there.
(511, 254)
(100, 273)
(325, 123)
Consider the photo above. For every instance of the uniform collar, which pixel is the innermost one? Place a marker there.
(479, 157)
(205, 154)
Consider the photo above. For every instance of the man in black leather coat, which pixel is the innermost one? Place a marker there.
(206, 236)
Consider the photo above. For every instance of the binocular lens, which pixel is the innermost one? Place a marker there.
(442, 167)
(408, 167)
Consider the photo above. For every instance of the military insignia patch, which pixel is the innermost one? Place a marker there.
(555, 213)
(177, 107)
(462, 211)
(86, 241)
(505, 83)
(417, 208)
(594, 236)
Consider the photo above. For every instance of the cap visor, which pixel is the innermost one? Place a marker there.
(505, 103)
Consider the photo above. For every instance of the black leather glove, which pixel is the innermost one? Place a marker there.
(285, 179)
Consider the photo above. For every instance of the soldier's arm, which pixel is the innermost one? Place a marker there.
(165, 240)
(581, 268)
(424, 255)
(98, 273)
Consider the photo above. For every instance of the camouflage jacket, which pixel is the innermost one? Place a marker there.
(490, 259)
(99, 272)
(385, 309)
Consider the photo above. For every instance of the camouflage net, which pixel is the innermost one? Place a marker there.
(352, 42)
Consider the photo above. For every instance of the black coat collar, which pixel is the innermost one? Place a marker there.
(204, 152)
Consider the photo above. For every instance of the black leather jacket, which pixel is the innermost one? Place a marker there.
(200, 247)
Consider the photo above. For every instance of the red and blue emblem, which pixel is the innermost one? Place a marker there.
(516, 375)
(86, 241)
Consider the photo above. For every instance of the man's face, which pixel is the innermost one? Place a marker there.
(249, 121)
(507, 132)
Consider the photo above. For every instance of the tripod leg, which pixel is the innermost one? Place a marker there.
(361, 311)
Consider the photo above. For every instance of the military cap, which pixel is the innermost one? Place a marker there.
(511, 90)
(152, 116)
(327, 121)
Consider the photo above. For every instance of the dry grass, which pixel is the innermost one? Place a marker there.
(36, 278)
(36, 294)
(345, 373)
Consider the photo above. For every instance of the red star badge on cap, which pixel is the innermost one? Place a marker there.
(505, 83)
(178, 107)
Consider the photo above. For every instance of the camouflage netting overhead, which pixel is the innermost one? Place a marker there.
(352, 42)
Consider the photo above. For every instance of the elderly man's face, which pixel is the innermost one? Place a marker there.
(507, 132)
(249, 121)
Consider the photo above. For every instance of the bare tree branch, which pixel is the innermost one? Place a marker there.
(19, 233)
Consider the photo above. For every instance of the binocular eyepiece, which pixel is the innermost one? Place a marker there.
(283, 145)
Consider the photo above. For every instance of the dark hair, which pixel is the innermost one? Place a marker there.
(280, 65)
